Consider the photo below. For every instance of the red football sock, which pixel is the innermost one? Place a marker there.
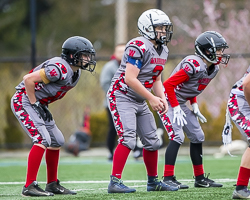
(198, 170)
(150, 159)
(168, 170)
(243, 176)
(52, 159)
(119, 160)
(34, 161)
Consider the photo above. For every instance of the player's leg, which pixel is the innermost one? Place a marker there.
(35, 128)
(112, 135)
(176, 138)
(124, 116)
(196, 137)
(146, 129)
(52, 160)
(240, 113)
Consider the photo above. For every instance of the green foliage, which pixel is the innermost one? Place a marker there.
(13, 134)
(99, 127)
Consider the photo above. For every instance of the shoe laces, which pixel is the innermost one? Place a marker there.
(175, 181)
(38, 188)
(60, 186)
(119, 182)
(207, 179)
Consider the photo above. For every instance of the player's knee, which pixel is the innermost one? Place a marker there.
(131, 144)
(198, 139)
(153, 146)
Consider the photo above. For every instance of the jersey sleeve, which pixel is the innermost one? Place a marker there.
(55, 72)
(135, 52)
(191, 66)
(171, 83)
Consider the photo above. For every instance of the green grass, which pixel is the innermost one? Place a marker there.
(84, 169)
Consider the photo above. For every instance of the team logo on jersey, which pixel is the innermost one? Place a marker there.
(140, 44)
(196, 64)
(53, 73)
(131, 53)
(158, 61)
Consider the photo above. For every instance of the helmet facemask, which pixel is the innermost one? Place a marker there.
(164, 39)
(84, 60)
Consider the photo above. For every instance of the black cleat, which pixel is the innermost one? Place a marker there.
(241, 194)
(157, 185)
(116, 186)
(56, 188)
(206, 182)
(34, 190)
(173, 182)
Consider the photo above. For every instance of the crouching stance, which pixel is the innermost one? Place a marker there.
(189, 78)
(45, 84)
(238, 110)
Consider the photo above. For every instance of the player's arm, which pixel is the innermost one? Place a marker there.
(30, 80)
(158, 90)
(131, 80)
(246, 88)
(171, 83)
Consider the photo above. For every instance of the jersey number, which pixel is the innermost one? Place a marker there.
(201, 87)
(158, 68)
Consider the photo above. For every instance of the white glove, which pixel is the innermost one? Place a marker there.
(197, 113)
(179, 116)
(227, 133)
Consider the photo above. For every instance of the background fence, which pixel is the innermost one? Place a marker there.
(106, 23)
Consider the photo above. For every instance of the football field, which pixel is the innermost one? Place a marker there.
(89, 176)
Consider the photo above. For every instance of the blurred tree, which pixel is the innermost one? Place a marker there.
(12, 132)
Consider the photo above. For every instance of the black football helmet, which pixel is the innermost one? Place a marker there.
(73, 49)
(206, 45)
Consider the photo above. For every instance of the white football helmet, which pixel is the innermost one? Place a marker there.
(151, 19)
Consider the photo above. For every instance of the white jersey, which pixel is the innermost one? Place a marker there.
(150, 62)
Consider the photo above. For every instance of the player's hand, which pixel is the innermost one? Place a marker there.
(156, 103)
(179, 116)
(165, 109)
(197, 113)
(42, 111)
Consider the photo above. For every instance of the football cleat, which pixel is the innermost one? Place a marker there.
(173, 182)
(206, 182)
(35, 191)
(56, 188)
(156, 185)
(241, 194)
(116, 186)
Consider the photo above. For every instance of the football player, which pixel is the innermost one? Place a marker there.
(238, 110)
(189, 78)
(139, 72)
(47, 83)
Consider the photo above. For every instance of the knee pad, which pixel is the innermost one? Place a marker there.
(155, 145)
(130, 143)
